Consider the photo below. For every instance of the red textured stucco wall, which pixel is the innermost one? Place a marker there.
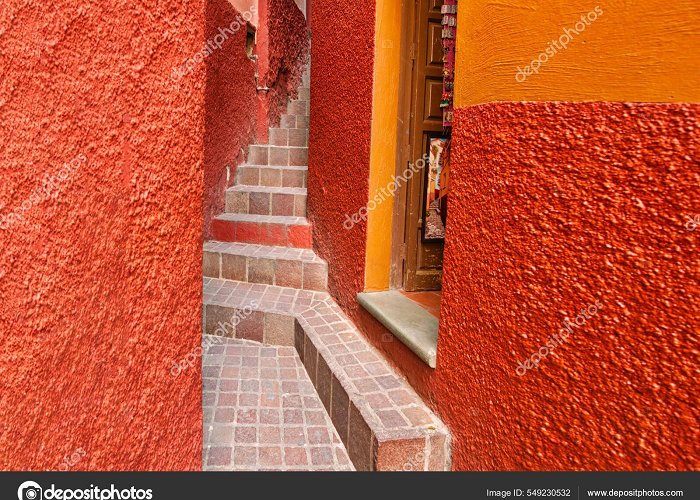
(231, 105)
(100, 283)
(342, 55)
(288, 53)
(554, 206)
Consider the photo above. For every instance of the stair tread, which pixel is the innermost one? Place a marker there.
(269, 219)
(326, 324)
(262, 251)
(267, 189)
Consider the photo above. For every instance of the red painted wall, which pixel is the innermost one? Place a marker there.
(342, 55)
(288, 54)
(555, 206)
(100, 281)
(231, 104)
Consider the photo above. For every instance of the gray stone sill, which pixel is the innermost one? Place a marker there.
(415, 327)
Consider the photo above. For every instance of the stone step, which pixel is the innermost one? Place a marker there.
(297, 137)
(294, 122)
(272, 176)
(262, 413)
(263, 200)
(264, 154)
(298, 107)
(268, 265)
(304, 93)
(380, 419)
(263, 230)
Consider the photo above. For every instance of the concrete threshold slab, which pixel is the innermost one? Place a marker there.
(410, 323)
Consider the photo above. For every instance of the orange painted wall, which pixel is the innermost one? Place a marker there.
(641, 51)
(100, 270)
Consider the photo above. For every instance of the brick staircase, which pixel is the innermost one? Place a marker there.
(261, 271)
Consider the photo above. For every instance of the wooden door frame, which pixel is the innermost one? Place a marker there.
(404, 131)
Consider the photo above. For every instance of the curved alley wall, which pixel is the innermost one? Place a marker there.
(342, 55)
(563, 210)
(101, 235)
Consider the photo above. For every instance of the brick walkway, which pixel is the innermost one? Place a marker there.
(261, 411)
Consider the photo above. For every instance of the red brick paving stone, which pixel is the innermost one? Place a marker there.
(361, 441)
(288, 273)
(417, 416)
(288, 121)
(340, 408)
(439, 458)
(247, 232)
(310, 359)
(233, 267)
(292, 178)
(324, 380)
(392, 419)
(278, 136)
(279, 156)
(262, 440)
(258, 155)
(402, 455)
(224, 230)
(315, 276)
(299, 236)
(279, 328)
(219, 456)
(259, 203)
(211, 264)
(237, 202)
(249, 176)
(322, 455)
(271, 177)
(273, 234)
(296, 456)
(282, 204)
(270, 456)
(245, 435)
(261, 271)
(218, 321)
(298, 137)
(251, 327)
(245, 457)
(298, 156)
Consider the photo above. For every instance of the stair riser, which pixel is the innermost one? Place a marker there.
(242, 202)
(261, 154)
(266, 327)
(288, 137)
(280, 272)
(263, 233)
(271, 177)
(294, 122)
(368, 450)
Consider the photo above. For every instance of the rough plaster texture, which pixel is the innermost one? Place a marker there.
(100, 285)
(339, 138)
(231, 103)
(552, 207)
(288, 55)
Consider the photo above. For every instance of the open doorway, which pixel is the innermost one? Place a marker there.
(426, 112)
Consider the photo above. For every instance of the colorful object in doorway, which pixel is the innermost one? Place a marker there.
(449, 30)
(435, 194)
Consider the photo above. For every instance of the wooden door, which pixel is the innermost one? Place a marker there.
(423, 258)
